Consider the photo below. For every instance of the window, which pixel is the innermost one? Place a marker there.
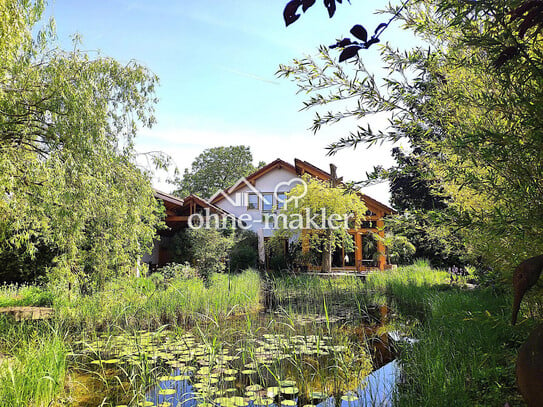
(252, 201)
(281, 198)
(267, 202)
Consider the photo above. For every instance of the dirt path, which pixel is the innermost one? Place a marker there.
(20, 313)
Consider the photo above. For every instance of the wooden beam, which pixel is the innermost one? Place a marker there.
(177, 219)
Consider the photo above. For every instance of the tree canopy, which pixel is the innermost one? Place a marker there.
(69, 185)
(332, 210)
(215, 169)
(471, 113)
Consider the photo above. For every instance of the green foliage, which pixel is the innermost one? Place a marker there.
(176, 270)
(214, 170)
(244, 253)
(205, 249)
(147, 303)
(25, 295)
(431, 239)
(72, 199)
(399, 249)
(243, 257)
(474, 124)
(33, 371)
(319, 199)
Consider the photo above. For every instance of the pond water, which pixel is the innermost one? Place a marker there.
(260, 360)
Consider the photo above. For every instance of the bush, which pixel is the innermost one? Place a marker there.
(278, 262)
(204, 249)
(177, 271)
(242, 258)
(244, 254)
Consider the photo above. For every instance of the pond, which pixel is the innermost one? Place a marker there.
(282, 358)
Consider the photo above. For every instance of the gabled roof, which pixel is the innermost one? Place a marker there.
(303, 167)
(299, 168)
(171, 202)
(192, 198)
(277, 163)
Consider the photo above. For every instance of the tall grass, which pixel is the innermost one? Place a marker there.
(466, 348)
(32, 363)
(12, 295)
(143, 303)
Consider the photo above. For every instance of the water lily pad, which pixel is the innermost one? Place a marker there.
(289, 403)
(254, 387)
(287, 383)
(239, 401)
(349, 398)
(272, 391)
(318, 395)
(289, 390)
(263, 401)
(167, 392)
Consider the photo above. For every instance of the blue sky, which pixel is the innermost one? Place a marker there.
(216, 61)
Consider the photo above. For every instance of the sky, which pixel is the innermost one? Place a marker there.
(216, 61)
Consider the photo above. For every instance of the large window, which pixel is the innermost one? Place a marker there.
(252, 201)
(281, 198)
(267, 202)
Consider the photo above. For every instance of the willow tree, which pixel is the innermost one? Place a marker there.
(69, 185)
(320, 215)
(469, 101)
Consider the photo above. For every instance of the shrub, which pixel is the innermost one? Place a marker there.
(244, 254)
(242, 258)
(205, 249)
(178, 271)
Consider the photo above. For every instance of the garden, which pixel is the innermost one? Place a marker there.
(154, 341)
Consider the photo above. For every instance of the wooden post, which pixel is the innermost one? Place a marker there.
(380, 245)
(358, 251)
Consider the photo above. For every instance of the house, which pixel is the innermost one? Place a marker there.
(254, 198)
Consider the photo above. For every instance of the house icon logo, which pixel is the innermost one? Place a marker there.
(278, 193)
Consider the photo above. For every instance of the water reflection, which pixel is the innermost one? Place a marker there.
(377, 390)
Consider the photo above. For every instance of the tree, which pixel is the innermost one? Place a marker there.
(215, 169)
(332, 209)
(474, 112)
(206, 249)
(69, 185)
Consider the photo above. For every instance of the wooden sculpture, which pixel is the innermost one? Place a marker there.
(530, 357)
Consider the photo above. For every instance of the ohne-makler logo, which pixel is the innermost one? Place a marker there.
(269, 219)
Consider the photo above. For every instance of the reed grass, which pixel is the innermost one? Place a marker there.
(141, 304)
(12, 295)
(32, 363)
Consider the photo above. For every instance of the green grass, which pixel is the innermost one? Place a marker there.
(12, 295)
(144, 304)
(467, 347)
(465, 353)
(32, 363)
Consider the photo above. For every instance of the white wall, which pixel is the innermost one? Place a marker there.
(278, 179)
